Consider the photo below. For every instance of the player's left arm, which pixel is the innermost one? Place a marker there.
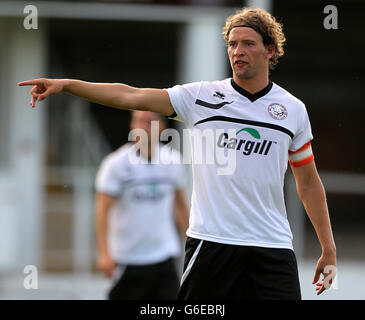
(181, 212)
(312, 193)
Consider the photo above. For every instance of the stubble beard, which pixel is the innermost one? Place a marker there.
(244, 75)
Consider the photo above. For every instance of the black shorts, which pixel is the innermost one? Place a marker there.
(222, 271)
(157, 281)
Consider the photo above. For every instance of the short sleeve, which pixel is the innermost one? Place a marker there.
(107, 178)
(182, 98)
(303, 134)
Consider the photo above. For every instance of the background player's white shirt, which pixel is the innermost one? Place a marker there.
(247, 207)
(142, 226)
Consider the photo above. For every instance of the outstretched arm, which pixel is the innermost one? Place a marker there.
(311, 192)
(114, 95)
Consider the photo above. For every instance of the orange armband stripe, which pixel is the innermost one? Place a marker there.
(302, 156)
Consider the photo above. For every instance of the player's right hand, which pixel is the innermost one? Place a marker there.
(42, 88)
(106, 265)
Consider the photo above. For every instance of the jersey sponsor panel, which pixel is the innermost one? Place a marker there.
(266, 126)
(247, 146)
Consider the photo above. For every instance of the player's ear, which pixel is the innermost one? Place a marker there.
(270, 51)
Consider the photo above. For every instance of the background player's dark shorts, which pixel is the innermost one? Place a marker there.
(222, 271)
(154, 281)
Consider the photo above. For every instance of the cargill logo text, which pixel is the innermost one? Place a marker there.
(247, 146)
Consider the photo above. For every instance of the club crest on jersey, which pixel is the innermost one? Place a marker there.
(277, 111)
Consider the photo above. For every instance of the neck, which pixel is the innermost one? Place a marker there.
(252, 85)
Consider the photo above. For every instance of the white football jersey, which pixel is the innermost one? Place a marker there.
(245, 207)
(142, 227)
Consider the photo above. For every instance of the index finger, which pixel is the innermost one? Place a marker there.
(30, 82)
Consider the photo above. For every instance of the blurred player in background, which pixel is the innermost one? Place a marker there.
(138, 207)
(239, 242)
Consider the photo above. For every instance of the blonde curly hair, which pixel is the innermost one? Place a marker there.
(263, 23)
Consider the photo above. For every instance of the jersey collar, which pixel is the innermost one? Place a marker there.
(252, 97)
